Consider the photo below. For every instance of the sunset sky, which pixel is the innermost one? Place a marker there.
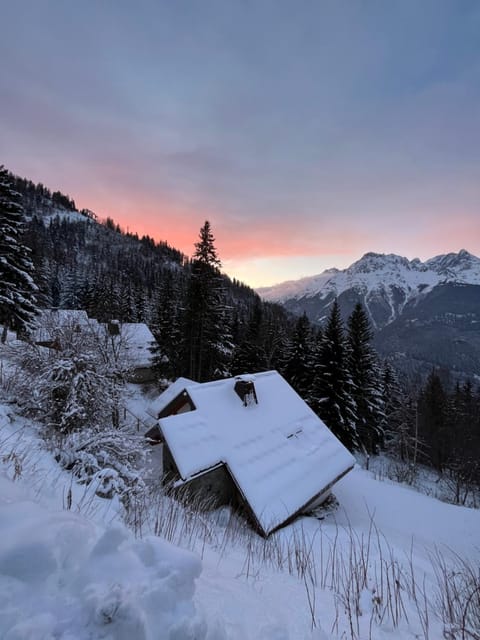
(307, 132)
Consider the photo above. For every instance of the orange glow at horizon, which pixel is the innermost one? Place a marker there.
(178, 225)
(267, 251)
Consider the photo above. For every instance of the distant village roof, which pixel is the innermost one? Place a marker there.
(280, 455)
(134, 339)
(175, 389)
(138, 341)
(50, 320)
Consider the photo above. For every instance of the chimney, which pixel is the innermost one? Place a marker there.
(113, 328)
(245, 390)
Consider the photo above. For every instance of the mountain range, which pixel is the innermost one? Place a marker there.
(424, 314)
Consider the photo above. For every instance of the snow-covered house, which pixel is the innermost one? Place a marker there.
(133, 341)
(50, 324)
(127, 345)
(252, 436)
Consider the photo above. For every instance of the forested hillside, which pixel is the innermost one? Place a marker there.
(81, 263)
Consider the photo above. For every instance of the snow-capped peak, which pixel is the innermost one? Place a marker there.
(378, 271)
(375, 261)
(461, 261)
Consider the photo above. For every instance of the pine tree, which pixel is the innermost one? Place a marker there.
(330, 395)
(366, 379)
(166, 328)
(205, 250)
(298, 369)
(433, 421)
(400, 423)
(86, 298)
(462, 463)
(207, 343)
(17, 287)
(33, 237)
(73, 394)
(71, 291)
(249, 354)
(274, 337)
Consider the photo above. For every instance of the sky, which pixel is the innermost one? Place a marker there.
(307, 132)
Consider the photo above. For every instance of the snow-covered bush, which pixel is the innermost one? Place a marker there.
(110, 459)
(75, 393)
(72, 395)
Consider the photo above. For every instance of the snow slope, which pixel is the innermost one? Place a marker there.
(379, 272)
(277, 604)
(48, 215)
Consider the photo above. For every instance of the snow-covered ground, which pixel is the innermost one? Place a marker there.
(61, 576)
(366, 570)
(70, 569)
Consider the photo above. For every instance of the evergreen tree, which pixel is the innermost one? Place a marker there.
(462, 463)
(274, 336)
(33, 237)
(298, 369)
(205, 251)
(166, 328)
(141, 306)
(433, 421)
(366, 379)
(401, 439)
(207, 344)
(249, 354)
(86, 299)
(71, 291)
(73, 394)
(17, 287)
(331, 391)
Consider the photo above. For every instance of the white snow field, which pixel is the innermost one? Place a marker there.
(372, 568)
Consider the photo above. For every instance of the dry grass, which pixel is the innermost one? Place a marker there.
(371, 586)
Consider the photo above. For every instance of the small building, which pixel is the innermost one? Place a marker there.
(133, 341)
(52, 325)
(251, 439)
(126, 344)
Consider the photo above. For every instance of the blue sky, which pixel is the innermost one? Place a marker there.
(307, 132)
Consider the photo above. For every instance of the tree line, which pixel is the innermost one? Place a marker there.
(449, 431)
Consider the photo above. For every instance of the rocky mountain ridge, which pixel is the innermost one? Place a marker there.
(384, 283)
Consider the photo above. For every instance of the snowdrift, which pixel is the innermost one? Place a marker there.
(63, 577)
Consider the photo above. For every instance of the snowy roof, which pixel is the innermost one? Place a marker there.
(137, 340)
(279, 453)
(175, 389)
(65, 316)
(50, 320)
